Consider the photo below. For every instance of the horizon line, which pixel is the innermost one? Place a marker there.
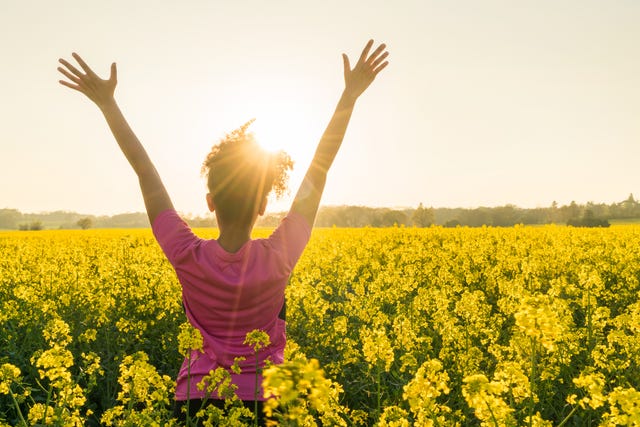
(397, 207)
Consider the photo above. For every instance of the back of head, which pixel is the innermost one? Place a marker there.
(240, 174)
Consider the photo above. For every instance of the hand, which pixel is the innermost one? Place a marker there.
(96, 89)
(358, 80)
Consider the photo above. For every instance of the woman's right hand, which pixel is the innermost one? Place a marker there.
(358, 79)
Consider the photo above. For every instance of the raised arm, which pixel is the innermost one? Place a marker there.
(101, 92)
(356, 81)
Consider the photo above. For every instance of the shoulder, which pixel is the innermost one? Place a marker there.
(288, 240)
(164, 218)
(294, 226)
(172, 233)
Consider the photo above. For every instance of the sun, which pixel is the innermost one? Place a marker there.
(284, 130)
(285, 126)
(280, 125)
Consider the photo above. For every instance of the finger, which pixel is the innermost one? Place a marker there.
(114, 73)
(377, 52)
(71, 68)
(83, 64)
(380, 68)
(381, 58)
(345, 62)
(68, 75)
(347, 67)
(365, 51)
(69, 85)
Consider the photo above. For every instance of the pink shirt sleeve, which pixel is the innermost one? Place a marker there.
(173, 235)
(290, 239)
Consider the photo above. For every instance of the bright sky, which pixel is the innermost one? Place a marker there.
(484, 102)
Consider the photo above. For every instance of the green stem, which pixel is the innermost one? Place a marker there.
(188, 387)
(255, 394)
(131, 397)
(378, 393)
(15, 402)
(342, 412)
(434, 417)
(568, 416)
(589, 325)
(46, 405)
(493, 417)
(532, 379)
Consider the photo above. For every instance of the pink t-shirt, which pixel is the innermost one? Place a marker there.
(226, 295)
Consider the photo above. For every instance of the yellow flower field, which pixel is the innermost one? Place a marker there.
(392, 327)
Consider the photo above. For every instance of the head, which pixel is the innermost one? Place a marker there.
(241, 175)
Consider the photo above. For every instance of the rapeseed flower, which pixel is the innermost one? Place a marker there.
(376, 347)
(189, 339)
(593, 384)
(394, 416)
(8, 375)
(422, 392)
(257, 339)
(485, 399)
(624, 407)
(538, 318)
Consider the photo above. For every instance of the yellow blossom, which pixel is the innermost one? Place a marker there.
(485, 399)
(593, 384)
(8, 374)
(376, 347)
(57, 333)
(40, 412)
(257, 339)
(422, 392)
(88, 336)
(538, 319)
(394, 416)
(189, 339)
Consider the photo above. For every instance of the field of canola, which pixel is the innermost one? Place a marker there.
(390, 327)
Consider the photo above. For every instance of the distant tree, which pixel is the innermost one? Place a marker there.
(554, 215)
(349, 216)
(210, 221)
(9, 218)
(328, 216)
(85, 223)
(630, 207)
(573, 210)
(475, 217)
(504, 216)
(353, 216)
(35, 225)
(268, 220)
(600, 210)
(423, 217)
(588, 220)
(536, 216)
(452, 223)
(126, 220)
(574, 207)
(393, 217)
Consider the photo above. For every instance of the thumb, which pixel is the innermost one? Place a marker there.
(114, 73)
(347, 65)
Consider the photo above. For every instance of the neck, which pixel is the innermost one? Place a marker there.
(233, 237)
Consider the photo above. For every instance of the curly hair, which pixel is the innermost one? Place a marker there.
(240, 173)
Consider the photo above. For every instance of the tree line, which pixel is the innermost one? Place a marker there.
(587, 215)
(13, 219)
(579, 215)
